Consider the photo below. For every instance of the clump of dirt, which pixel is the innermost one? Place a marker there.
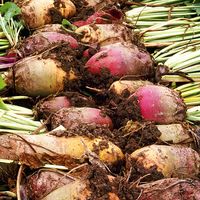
(122, 109)
(8, 176)
(79, 100)
(82, 11)
(98, 81)
(124, 189)
(56, 16)
(139, 135)
(54, 13)
(100, 185)
(104, 186)
(71, 61)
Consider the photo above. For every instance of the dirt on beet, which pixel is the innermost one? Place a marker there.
(73, 62)
(129, 138)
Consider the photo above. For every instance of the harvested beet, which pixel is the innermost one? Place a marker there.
(35, 76)
(47, 73)
(72, 117)
(43, 182)
(104, 34)
(42, 41)
(37, 150)
(160, 104)
(52, 105)
(38, 13)
(120, 60)
(170, 161)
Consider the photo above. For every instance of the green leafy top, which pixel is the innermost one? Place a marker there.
(9, 25)
(9, 10)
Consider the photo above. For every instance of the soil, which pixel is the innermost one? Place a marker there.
(99, 183)
(121, 109)
(56, 16)
(124, 189)
(83, 11)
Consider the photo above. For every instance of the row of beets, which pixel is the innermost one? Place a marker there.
(44, 73)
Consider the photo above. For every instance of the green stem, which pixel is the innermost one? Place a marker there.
(177, 78)
(14, 98)
(18, 118)
(17, 126)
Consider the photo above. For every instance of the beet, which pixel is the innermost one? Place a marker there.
(104, 34)
(72, 117)
(38, 13)
(160, 104)
(120, 60)
(35, 76)
(42, 41)
(54, 104)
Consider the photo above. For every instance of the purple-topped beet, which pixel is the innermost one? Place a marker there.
(42, 41)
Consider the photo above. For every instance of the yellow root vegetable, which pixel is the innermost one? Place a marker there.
(35, 76)
(37, 150)
(170, 161)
